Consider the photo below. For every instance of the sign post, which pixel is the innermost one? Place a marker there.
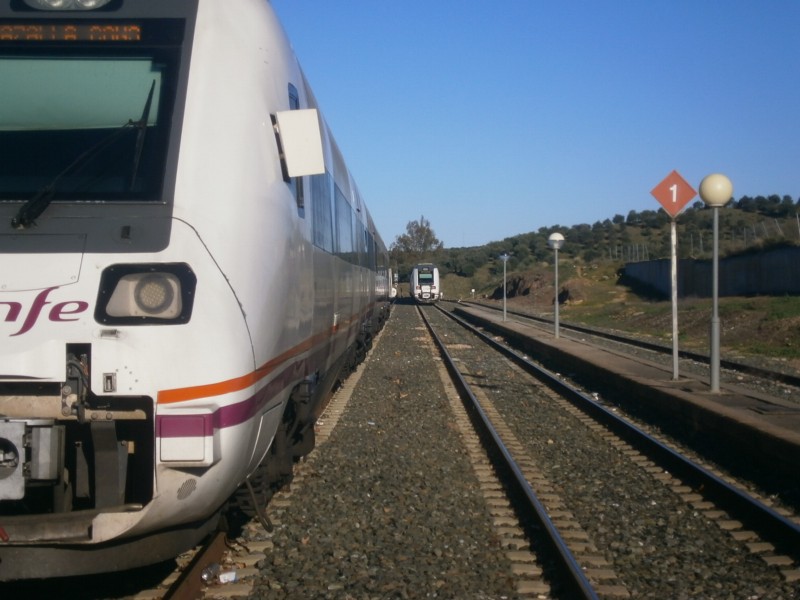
(674, 193)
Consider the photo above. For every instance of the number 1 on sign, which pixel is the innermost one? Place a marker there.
(673, 193)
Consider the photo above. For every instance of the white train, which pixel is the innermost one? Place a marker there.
(424, 283)
(186, 270)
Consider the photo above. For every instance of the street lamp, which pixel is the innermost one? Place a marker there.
(555, 241)
(504, 257)
(715, 190)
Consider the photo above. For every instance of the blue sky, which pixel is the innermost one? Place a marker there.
(495, 118)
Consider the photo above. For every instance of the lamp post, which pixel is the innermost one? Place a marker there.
(555, 241)
(504, 257)
(715, 190)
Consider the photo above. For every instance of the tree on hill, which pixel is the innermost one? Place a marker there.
(419, 243)
(419, 238)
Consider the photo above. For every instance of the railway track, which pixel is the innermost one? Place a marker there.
(403, 499)
(736, 368)
(532, 514)
(734, 524)
(189, 582)
(422, 551)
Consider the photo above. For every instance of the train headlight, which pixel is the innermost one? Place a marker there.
(146, 294)
(66, 4)
(153, 294)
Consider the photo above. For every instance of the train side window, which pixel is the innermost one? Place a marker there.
(296, 183)
(322, 221)
(345, 244)
(294, 98)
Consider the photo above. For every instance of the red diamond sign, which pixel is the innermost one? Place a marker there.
(673, 193)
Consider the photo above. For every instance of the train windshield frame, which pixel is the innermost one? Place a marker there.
(87, 118)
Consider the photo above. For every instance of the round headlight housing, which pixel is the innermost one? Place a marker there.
(155, 293)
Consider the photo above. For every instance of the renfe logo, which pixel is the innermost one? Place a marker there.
(59, 312)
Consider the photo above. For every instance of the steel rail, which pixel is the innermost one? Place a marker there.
(781, 532)
(738, 367)
(189, 584)
(576, 584)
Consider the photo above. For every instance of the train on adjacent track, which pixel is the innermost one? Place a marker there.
(187, 269)
(423, 283)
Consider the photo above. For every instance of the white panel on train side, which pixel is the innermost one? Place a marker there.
(302, 142)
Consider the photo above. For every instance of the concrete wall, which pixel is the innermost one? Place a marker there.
(772, 272)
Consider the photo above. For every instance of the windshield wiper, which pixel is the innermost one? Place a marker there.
(142, 126)
(28, 212)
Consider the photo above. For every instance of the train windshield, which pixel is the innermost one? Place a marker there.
(84, 126)
(425, 277)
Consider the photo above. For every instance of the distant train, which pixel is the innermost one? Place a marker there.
(187, 269)
(424, 283)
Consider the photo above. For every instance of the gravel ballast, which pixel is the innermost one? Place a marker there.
(389, 506)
